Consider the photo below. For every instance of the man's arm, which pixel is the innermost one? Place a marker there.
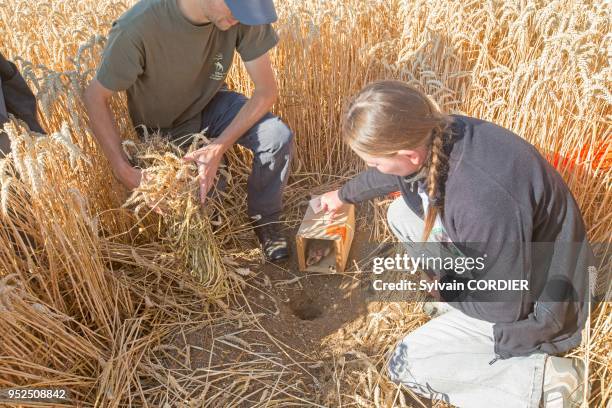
(264, 96)
(105, 130)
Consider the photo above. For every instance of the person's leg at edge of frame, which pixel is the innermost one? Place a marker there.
(5, 144)
(271, 142)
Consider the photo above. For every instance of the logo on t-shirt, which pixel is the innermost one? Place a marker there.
(219, 73)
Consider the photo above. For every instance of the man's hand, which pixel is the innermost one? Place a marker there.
(330, 203)
(130, 177)
(104, 127)
(207, 159)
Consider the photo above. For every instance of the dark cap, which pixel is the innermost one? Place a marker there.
(253, 12)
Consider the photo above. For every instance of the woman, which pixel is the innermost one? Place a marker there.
(481, 190)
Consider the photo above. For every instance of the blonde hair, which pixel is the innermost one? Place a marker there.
(388, 116)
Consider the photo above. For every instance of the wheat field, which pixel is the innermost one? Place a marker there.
(91, 290)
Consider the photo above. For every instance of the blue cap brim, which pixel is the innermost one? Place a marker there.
(253, 12)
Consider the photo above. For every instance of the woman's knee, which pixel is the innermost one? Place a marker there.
(396, 218)
(401, 368)
(395, 209)
(404, 223)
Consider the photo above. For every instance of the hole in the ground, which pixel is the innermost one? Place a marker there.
(306, 309)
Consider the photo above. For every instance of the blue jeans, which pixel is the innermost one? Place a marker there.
(271, 142)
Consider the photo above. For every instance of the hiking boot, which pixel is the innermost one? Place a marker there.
(273, 243)
(563, 385)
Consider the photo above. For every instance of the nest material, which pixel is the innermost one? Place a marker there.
(171, 185)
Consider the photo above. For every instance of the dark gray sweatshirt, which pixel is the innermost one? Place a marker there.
(503, 199)
(18, 98)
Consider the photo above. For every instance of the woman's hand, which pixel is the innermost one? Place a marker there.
(330, 202)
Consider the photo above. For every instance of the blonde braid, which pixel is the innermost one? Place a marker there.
(436, 178)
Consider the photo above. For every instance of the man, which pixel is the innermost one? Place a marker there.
(172, 56)
(17, 99)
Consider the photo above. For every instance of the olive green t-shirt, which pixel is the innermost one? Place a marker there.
(170, 67)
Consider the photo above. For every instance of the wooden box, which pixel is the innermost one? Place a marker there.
(340, 231)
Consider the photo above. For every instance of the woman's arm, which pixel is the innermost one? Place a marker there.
(367, 185)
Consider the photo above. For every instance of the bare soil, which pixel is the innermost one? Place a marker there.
(290, 322)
